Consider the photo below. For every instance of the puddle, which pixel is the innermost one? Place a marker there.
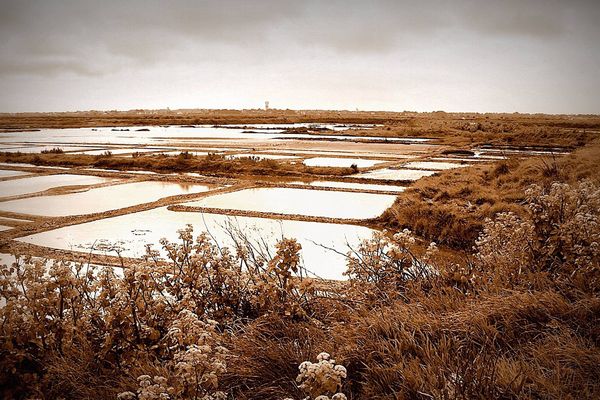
(395, 174)
(353, 185)
(317, 203)
(433, 165)
(132, 232)
(100, 199)
(341, 162)
(4, 173)
(39, 183)
(5, 228)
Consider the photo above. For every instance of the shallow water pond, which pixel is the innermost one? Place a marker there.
(31, 166)
(39, 183)
(460, 159)
(262, 156)
(177, 153)
(39, 149)
(5, 173)
(341, 162)
(433, 165)
(354, 185)
(395, 174)
(130, 233)
(100, 199)
(341, 153)
(318, 203)
(118, 151)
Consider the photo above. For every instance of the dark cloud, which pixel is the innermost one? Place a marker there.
(345, 39)
(50, 68)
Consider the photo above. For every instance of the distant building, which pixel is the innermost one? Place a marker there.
(267, 105)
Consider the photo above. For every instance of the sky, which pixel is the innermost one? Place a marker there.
(464, 55)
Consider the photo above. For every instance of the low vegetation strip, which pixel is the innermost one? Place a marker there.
(213, 164)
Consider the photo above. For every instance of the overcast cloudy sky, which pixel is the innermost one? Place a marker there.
(464, 55)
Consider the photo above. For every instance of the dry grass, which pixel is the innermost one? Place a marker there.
(450, 207)
(514, 329)
(213, 164)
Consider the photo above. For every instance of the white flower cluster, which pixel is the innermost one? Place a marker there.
(431, 251)
(405, 237)
(149, 389)
(506, 240)
(322, 378)
(201, 365)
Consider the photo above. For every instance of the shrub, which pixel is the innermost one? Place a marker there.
(559, 236)
(54, 150)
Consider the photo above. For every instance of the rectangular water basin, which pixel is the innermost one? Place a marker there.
(100, 199)
(39, 149)
(4, 173)
(176, 153)
(117, 151)
(261, 156)
(341, 162)
(433, 165)
(40, 183)
(354, 185)
(31, 166)
(395, 174)
(130, 233)
(317, 203)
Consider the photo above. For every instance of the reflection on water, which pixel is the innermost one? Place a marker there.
(100, 199)
(341, 162)
(395, 174)
(151, 134)
(130, 233)
(40, 183)
(319, 203)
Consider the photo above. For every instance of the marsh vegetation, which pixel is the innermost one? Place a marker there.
(467, 267)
